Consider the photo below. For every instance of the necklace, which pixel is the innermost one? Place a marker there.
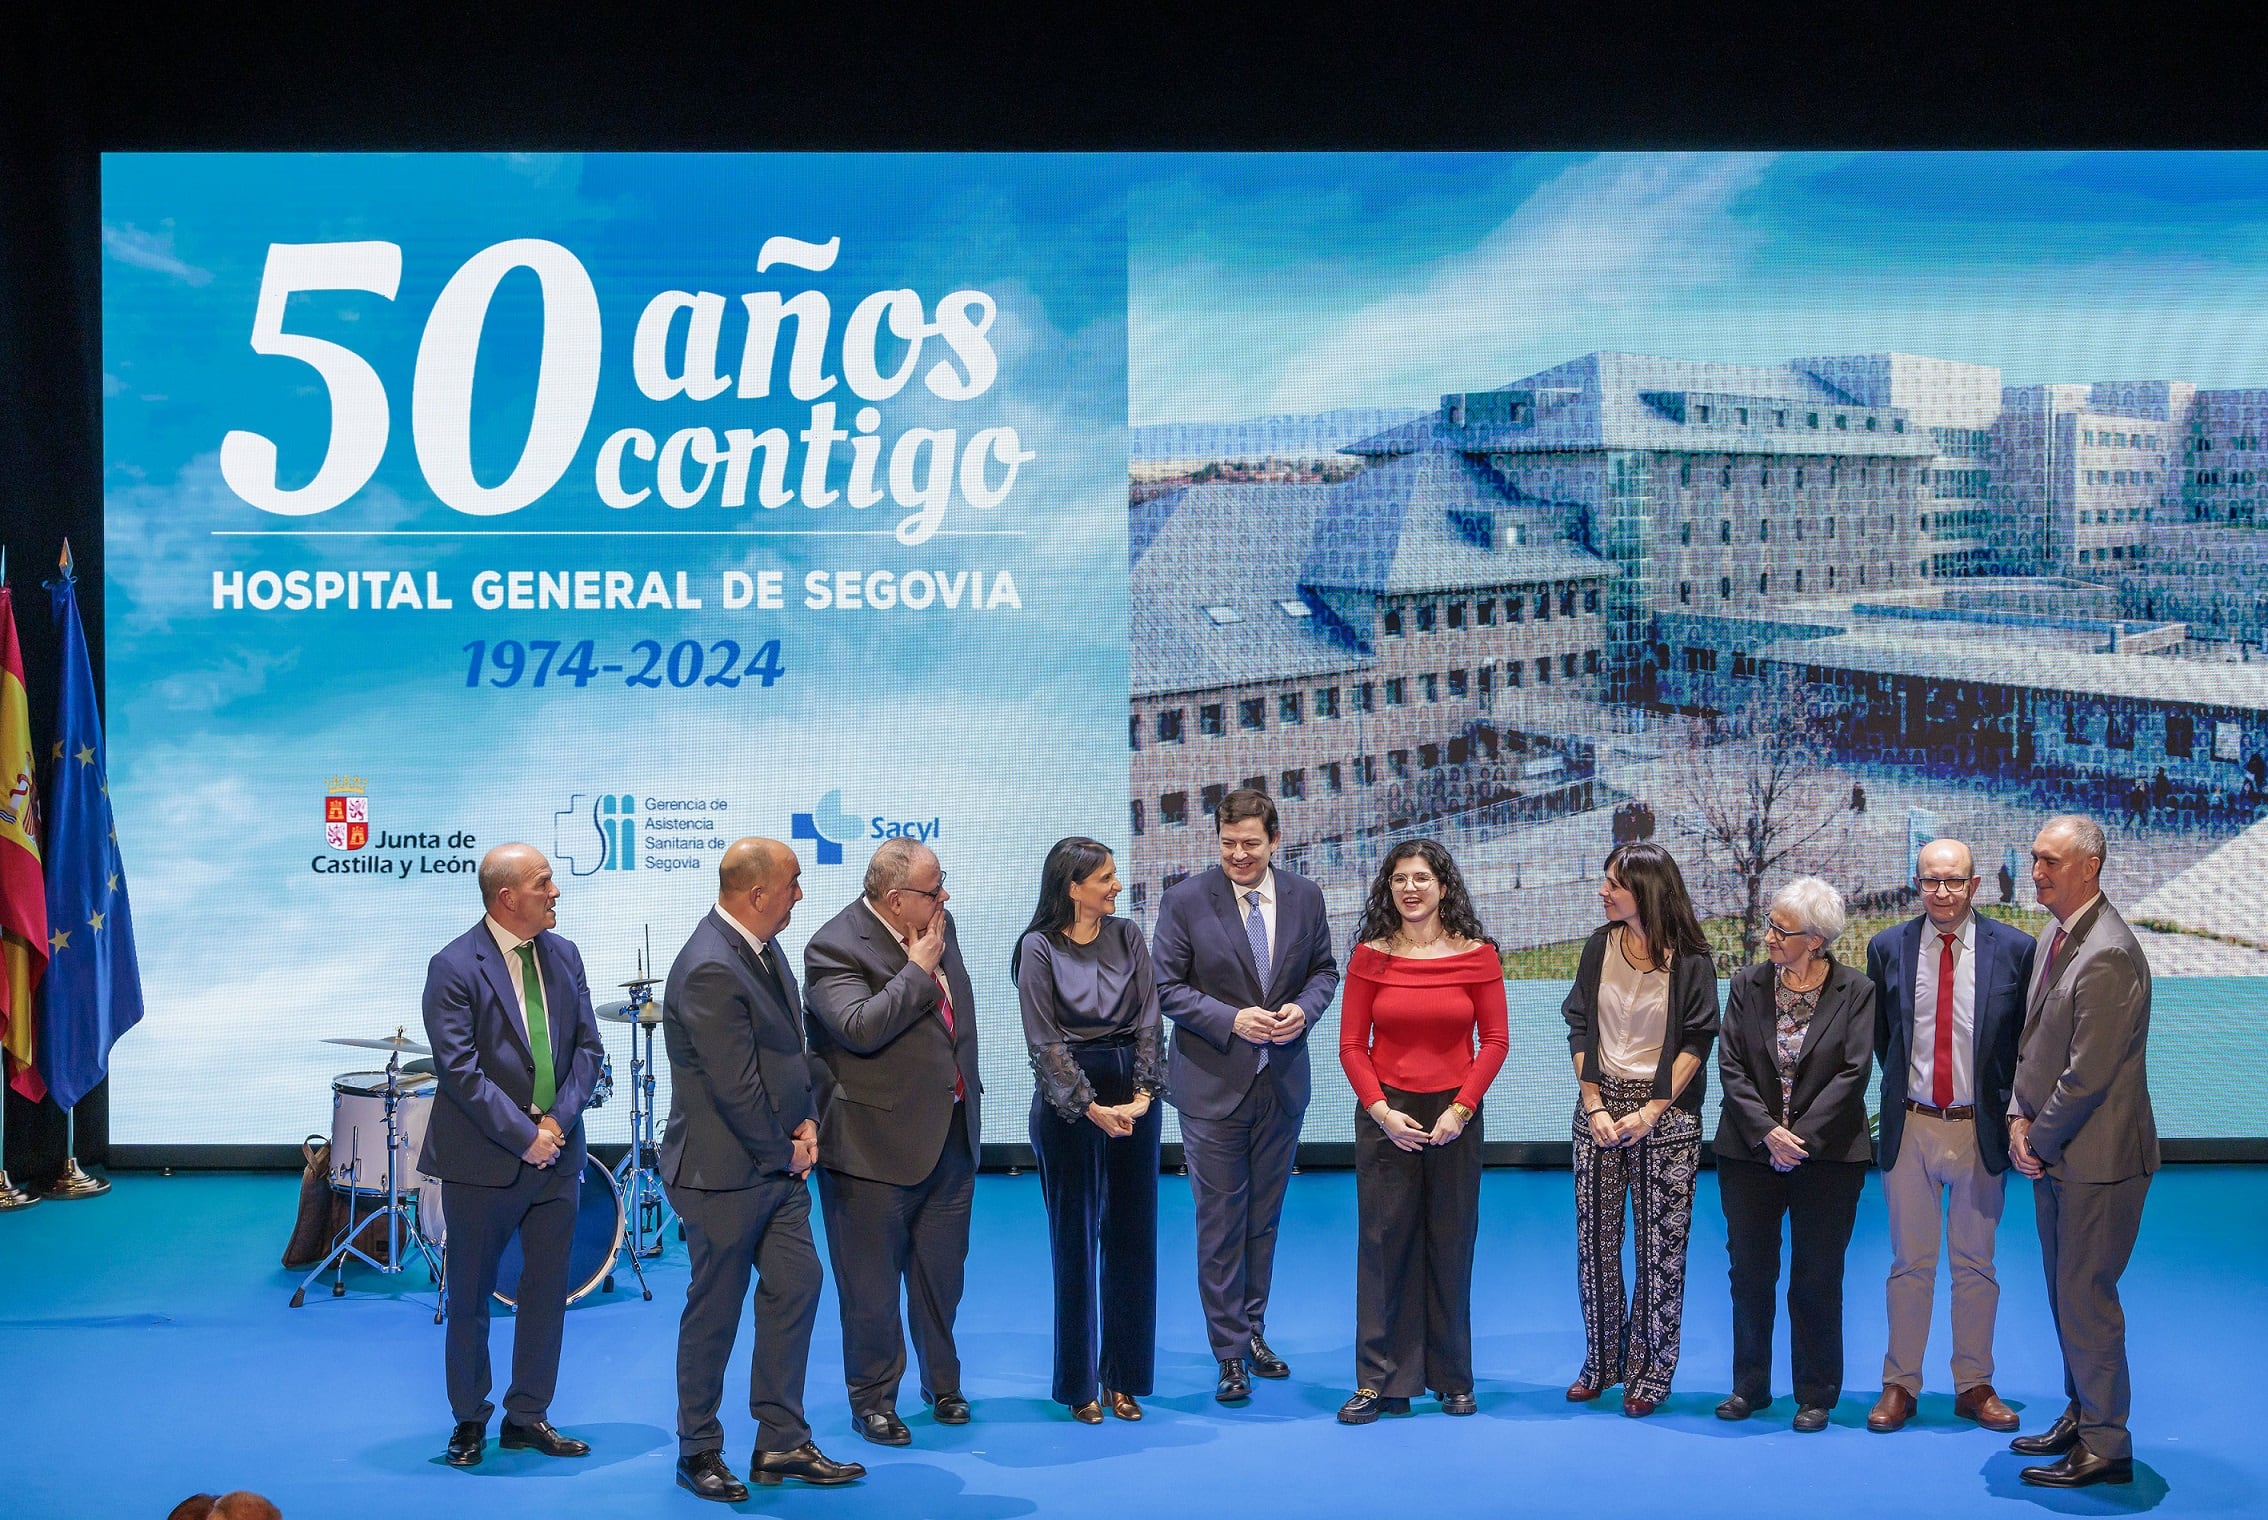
(1418, 944)
(1795, 986)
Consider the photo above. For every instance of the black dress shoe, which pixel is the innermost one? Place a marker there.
(465, 1443)
(2079, 1468)
(807, 1463)
(705, 1476)
(1089, 1413)
(1459, 1403)
(1234, 1387)
(2053, 1441)
(1811, 1418)
(1735, 1407)
(947, 1408)
(882, 1427)
(541, 1437)
(1265, 1363)
(1367, 1405)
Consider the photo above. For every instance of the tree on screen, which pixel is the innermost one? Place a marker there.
(1759, 799)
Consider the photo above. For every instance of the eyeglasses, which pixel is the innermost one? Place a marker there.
(1774, 931)
(932, 893)
(1944, 886)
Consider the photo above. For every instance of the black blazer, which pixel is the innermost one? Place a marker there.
(739, 1082)
(1692, 1019)
(1829, 1114)
(882, 1061)
(2004, 971)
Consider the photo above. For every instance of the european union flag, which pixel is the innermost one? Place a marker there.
(92, 992)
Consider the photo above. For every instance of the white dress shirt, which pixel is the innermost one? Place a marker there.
(762, 947)
(510, 944)
(1921, 1048)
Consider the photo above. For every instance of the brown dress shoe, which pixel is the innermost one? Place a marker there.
(1583, 1390)
(1982, 1405)
(1122, 1405)
(1892, 1410)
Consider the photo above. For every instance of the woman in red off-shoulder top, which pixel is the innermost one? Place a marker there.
(1421, 1035)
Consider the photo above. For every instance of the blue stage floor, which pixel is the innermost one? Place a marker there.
(146, 1351)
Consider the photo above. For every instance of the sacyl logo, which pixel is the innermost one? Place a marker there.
(828, 827)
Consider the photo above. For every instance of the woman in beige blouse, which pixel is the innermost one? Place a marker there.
(1640, 1019)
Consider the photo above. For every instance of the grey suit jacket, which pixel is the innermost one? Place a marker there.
(884, 1062)
(739, 1079)
(2081, 1076)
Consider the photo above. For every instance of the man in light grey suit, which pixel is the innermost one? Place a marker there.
(892, 1024)
(2080, 1126)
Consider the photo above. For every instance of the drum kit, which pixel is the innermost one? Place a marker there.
(378, 1123)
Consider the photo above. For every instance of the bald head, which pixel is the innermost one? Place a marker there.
(517, 890)
(1947, 857)
(759, 884)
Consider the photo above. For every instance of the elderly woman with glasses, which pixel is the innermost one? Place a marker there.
(1794, 1055)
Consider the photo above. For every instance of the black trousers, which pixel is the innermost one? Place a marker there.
(1819, 1200)
(764, 1231)
(881, 1236)
(1418, 1212)
(1102, 1207)
(539, 1206)
(1239, 1168)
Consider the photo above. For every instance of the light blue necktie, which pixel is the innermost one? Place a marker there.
(1256, 933)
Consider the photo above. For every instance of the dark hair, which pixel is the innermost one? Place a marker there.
(1245, 802)
(1069, 862)
(1665, 913)
(1381, 920)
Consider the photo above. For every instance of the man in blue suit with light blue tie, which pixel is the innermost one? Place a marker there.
(1245, 970)
(516, 1052)
(1949, 990)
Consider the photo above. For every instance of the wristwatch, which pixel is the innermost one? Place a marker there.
(1464, 1114)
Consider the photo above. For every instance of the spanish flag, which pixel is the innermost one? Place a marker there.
(23, 893)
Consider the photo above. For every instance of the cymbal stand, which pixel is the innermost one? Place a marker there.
(643, 1199)
(396, 1208)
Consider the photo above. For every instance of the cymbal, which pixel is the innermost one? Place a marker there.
(648, 1013)
(641, 981)
(400, 1042)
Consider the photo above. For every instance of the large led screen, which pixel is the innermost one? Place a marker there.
(1789, 511)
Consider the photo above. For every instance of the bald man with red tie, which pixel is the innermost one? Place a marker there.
(1949, 988)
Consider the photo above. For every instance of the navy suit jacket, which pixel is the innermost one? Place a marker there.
(480, 1125)
(739, 1080)
(1206, 973)
(2004, 973)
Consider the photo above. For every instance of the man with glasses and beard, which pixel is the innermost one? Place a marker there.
(892, 1022)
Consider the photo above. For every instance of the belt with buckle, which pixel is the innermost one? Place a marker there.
(1957, 1111)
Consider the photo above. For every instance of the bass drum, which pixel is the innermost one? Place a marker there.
(599, 1224)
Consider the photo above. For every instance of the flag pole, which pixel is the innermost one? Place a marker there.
(12, 1197)
(75, 1182)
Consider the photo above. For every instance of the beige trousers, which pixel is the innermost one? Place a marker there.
(1939, 1187)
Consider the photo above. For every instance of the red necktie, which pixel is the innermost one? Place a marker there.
(1941, 1061)
(945, 1012)
(2055, 949)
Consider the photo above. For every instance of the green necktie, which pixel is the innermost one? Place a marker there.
(539, 1028)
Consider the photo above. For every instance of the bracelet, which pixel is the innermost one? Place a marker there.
(1464, 1114)
(1588, 1112)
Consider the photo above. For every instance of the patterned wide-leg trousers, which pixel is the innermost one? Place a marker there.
(1634, 1340)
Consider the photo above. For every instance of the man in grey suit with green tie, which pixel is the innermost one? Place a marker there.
(2080, 1126)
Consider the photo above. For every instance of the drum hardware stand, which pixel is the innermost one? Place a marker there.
(75, 1182)
(396, 1206)
(639, 1173)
